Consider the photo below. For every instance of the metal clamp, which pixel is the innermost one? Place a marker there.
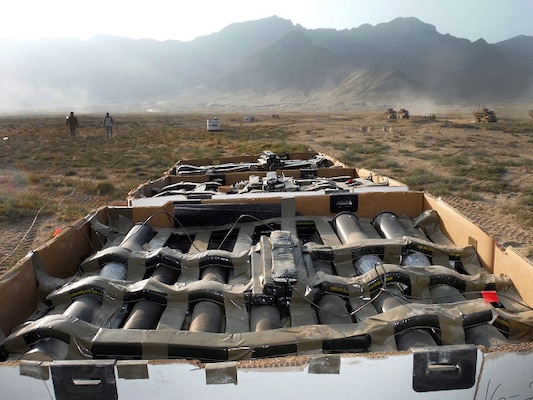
(444, 368)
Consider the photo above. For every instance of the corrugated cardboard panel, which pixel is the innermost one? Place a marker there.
(516, 267)
(334, 171)
(60, 258)
(155, 216)
(312, 205)
(146, 189)
(18, 295)
(401, 203)
(369, 204)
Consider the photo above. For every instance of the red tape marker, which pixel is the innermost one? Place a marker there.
(490, 296)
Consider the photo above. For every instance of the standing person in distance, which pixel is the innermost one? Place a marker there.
(108, 125)
(72, 123)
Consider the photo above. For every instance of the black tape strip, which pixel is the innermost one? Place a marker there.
(355, 344)
(368, 250)
(274, 351)
(35, 335)
(204, 354)
(390, 277)
(450, 280)
(418, 321)
(112, 254)
(477, 318)
(117, 350)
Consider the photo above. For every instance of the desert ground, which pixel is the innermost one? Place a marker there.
(50, 180)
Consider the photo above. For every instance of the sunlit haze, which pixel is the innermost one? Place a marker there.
(493, 20)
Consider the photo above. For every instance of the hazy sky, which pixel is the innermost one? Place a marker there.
(493, 20)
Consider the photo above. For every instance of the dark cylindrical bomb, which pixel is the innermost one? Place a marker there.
(206, 317)
(366, 263)
(213, 273)
(426, 217)
(485, 335)
(445, 294)
(165, 274)
(146, 314)
(322, 266)
(348, 228)
(414, 338)
(415, 259)
(48, 349)
(114, 271)
(264, 318)
(408, 339)
(385, 301)
(332, 310)
(86, 306)
(137, 236)
(349, 231)
(389, 225)
(481, 335)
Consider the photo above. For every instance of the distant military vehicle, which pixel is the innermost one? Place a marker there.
(531, 113)
(390, 114)
(402, 114)
(485, 115)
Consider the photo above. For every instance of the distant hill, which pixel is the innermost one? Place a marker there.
(263, 63)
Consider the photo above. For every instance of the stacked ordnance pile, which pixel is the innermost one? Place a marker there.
(224, 284)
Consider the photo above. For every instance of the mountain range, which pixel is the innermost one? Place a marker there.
(267, 63)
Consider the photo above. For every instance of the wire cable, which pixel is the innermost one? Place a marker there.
(235, 224)
(175, 220)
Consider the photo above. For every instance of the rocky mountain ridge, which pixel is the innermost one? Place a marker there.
(263, 63)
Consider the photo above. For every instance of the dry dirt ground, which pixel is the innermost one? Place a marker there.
(50, 180)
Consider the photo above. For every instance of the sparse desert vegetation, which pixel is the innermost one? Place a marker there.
(49, 180)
